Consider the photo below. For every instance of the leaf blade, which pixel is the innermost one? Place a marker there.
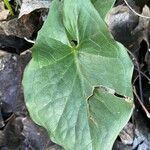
(64, 76)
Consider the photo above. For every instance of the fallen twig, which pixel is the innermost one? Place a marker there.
(143, 75)
(139, 72)
(140, 15)
(142, 105)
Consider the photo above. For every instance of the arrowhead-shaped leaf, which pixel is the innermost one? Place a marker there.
(74, 54)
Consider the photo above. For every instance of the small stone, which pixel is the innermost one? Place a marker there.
(127, 134)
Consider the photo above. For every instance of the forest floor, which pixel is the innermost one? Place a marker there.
(17, 130)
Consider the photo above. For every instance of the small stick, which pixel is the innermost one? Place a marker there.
(12, 116)
(139, 100)
(139, 72)
(30, 41)
(143, 75)
(146, 17)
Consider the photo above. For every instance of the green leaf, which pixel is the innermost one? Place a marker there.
(9, 7)
(75, 53)
(103, 6)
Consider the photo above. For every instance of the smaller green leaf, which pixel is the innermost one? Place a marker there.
(9, 6)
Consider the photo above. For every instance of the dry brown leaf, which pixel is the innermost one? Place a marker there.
(30, 5)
